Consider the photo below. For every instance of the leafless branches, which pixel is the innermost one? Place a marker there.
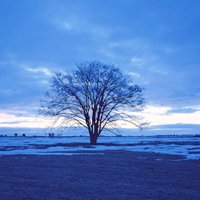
(94, 96)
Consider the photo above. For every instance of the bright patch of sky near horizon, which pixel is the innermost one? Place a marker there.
(156, 42)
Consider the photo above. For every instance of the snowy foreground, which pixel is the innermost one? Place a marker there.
(187, 146)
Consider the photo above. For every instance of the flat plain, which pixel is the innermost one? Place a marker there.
(109, 175)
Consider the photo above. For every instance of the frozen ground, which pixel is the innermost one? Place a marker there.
(187, 146)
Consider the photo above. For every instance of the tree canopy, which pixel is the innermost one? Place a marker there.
(95, 96)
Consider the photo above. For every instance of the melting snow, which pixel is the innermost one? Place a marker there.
(180, 145)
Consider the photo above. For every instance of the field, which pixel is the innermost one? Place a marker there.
(46, 169)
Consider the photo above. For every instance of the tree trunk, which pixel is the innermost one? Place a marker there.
(93, 139)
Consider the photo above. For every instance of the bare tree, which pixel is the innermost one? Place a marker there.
(94, 96)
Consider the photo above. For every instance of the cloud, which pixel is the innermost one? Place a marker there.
(63, 24)
(185, 109)
(137, 61)
(23, 118)
(156, 115)
(30, 67)
(27, 119)
(43, 70)
(157, 110)
(22, 83)
(5, 123)
(160, 115)
(79, 24)
(9, 120)
(134, 74)
(151, 42)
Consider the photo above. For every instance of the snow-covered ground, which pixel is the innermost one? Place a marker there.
(187, 146)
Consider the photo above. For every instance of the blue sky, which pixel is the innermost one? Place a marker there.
(156, 42)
